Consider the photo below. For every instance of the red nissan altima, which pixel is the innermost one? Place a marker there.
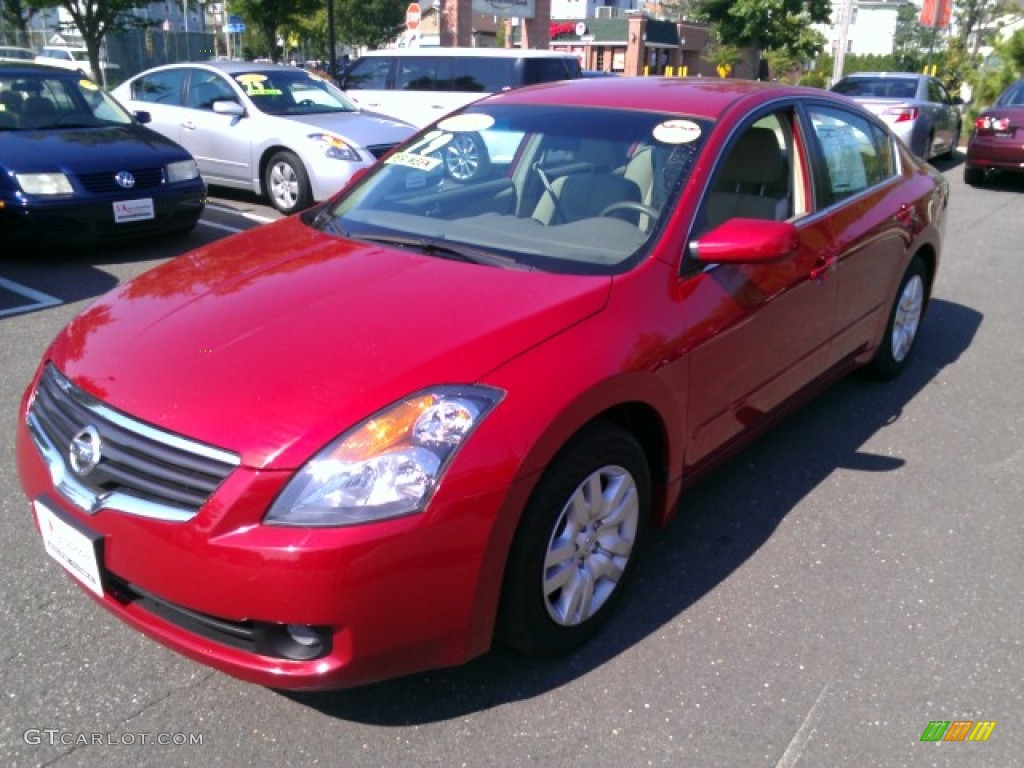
(439, 411)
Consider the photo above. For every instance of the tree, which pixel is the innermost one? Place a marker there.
(18, 14)
(95, 19)
(776, 25)
(269, 16)
(369, 23)
(974, 20)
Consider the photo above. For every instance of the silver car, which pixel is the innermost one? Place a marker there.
(918, 108)
(278, 131)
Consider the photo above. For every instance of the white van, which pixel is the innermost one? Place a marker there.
(420, 85)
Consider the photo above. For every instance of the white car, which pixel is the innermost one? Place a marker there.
(276, 131)
(74, 58)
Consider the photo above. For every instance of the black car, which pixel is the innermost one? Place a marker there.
(75, 166)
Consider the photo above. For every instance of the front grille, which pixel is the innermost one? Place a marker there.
(102, 183)
(379, 150)
(141, 469)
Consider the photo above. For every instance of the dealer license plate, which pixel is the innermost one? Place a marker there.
(133, 210)
(72, 545)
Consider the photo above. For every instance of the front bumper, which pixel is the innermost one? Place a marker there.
(73, 219)
(386, 599)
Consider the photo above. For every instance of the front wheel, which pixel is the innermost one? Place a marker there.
(904, 323)
(287, 183)
(576, 543)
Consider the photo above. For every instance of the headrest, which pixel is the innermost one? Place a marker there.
(755, 158)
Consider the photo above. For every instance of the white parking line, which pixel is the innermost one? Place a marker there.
(41, 300)
(223, 227)
(251, 216)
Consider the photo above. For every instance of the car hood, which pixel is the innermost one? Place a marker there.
(273, 342)
(81, 150)
(366, 129)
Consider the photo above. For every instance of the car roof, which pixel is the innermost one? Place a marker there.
(229, 67)
(893, 75)
(9, 66)
(493, 53)
(692, 96)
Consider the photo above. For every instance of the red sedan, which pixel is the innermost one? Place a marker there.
(435, 411)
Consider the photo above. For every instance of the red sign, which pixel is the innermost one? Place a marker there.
(936, 13)
(412, 16)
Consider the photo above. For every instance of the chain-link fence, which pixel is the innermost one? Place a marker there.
(129, 52)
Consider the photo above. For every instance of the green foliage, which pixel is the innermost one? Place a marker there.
(1002, 68)
(768, 25)
(369, 23)
(270, 17)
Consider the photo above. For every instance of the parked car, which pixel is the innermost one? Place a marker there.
(76, 59)
(14, 53)
(997, 141)
(277, 131)
(75, 166)
(372, 438)
(420, 85)
(918, 108)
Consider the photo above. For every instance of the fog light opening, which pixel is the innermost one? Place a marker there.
(303, 635)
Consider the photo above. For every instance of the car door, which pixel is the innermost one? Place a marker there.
(858, 174)
(762, 331)
(160, 93)
(220, 143)
(946, 116)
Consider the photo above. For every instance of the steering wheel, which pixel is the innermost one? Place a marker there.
(630, 205)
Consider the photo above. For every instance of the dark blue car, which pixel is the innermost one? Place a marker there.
(75, 166)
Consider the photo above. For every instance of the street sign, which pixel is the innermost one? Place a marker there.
(235, 25)
(412, 16)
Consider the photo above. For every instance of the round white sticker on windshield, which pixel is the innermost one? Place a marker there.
(471, 122)
(677, 132)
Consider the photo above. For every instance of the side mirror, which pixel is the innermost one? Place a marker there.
(142, 116)
(226, 107)
(746, 241)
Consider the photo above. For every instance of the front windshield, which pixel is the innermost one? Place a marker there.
(580, 190)
(291, 91)
(31, 102)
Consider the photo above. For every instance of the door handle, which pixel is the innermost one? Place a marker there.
(188, 125)
(906, 216)
(822, 265)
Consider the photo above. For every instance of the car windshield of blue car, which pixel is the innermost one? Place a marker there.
(291, 91)
(579, 190)
(35, 102)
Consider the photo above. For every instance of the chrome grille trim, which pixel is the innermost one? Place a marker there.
(143, 470)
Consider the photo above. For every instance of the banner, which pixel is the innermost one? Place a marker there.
(936, 13)
(525, 9)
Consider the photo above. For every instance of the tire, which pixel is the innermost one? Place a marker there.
(904, 323)
(466, 157)
(576, 543)
(974, 176)
(286, 183)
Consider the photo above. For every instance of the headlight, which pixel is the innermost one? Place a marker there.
(386, 467)
(44, 183)
(334, 147)
(183, 170)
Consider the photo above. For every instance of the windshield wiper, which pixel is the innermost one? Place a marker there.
(325, 222)
(446, 250)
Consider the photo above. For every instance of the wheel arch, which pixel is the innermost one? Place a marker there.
(265, 155)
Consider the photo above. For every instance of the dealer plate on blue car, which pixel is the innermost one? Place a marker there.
(133, 210)
(72, 545)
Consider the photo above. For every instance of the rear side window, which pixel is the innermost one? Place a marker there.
(549, 70)
(478, 74)
(416, 73)
(159, 87)
(854, 158)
